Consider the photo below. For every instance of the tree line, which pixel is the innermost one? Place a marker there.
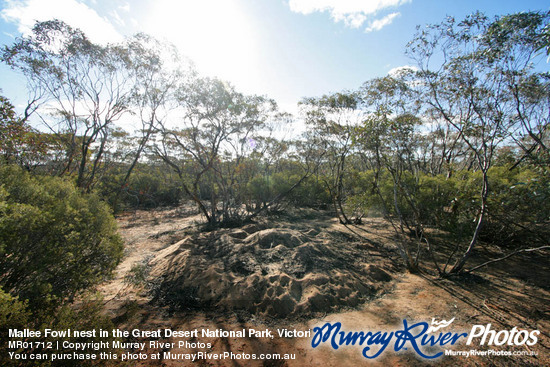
(457, 142)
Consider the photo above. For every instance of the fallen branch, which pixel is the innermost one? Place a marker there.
(507, 256)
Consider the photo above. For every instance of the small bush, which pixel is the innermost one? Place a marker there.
(54, 240)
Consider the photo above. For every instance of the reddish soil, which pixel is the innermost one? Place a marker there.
(302, 270)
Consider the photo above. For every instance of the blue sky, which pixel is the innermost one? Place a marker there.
(285, 49)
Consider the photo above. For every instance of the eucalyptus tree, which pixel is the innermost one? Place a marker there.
(157, 71)
(14, 133)
(84, 89)
(478, 76)
(208, 145)
(512, 46)
(331, 121)
(389, 140)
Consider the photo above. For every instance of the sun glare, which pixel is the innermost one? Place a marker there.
(216, 34)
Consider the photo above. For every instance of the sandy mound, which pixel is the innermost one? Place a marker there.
(278, 272)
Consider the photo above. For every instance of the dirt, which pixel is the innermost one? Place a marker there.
(279, 269)
(303, 270)
(144, 233)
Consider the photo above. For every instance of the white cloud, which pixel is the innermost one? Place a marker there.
(402, 69)
(353, 13)
(378, 24)
(25, 14)
(125, 7)
(355, 20)
(406, 74)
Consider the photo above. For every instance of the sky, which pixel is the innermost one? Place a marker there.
(284, 49)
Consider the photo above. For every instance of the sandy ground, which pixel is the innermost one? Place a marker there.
(240, 281)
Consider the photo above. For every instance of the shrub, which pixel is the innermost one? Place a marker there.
(15, 314)
(148, 187)
(54, 240)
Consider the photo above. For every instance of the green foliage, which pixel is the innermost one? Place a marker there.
(259, 191)
(19, 143)
(149, 186)
(519, 207)
(310, 193)
(138, 274)
(54, 241)
(12, 131)
(518, 204)
(15, 314)
(526, 29)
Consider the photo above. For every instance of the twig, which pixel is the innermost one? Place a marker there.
(507, 256)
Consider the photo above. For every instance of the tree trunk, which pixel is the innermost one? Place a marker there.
(459, 265)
